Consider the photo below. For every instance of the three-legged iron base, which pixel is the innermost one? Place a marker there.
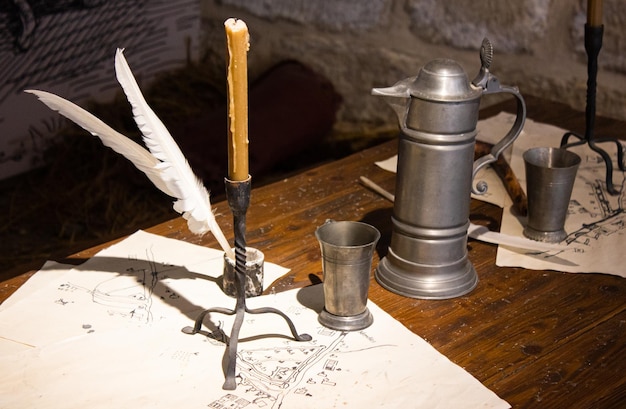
(238, 196)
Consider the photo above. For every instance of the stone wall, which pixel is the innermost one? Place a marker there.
(361, 44)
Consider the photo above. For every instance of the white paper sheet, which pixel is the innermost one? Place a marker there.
(94, 355)
(160, 367)
(35, 283)
(134, 283)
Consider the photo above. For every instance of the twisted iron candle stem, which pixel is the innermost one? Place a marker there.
(238, 196)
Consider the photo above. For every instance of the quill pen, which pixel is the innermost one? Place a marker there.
(164, 164)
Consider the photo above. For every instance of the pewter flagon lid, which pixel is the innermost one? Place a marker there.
(443, 80)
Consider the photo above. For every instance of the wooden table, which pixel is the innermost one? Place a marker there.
(536, 338)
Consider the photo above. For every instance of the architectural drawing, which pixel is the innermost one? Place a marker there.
(22, 17)
(130, 295)
(607, 214)
(292, 371)
(266, 376)
(68, 47)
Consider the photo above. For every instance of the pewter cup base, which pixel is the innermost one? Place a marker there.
(545, 236)
(351, 323)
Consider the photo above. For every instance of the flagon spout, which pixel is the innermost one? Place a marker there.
(397, 96)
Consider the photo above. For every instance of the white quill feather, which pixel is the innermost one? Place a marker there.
(165, 165)
(137, 154)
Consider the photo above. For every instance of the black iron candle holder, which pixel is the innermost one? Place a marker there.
(238, 197)
(593, 44)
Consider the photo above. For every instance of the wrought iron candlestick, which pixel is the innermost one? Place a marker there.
(238, 196)
(593, 44)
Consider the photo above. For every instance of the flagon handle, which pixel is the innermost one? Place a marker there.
(493, 87)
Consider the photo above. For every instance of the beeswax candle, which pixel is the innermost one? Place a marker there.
(238, 42)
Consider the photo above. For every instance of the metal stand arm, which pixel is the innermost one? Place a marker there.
(593, 44)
